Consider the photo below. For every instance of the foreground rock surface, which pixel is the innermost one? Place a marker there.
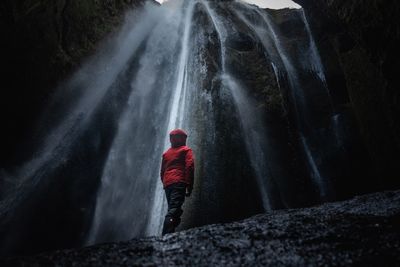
(364, 231)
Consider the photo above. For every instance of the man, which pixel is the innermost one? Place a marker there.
(177, 175)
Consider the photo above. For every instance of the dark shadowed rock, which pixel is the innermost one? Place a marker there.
(364, 231)
(365, 35)
(240, 42)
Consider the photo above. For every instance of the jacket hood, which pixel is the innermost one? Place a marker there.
(177, 137)
(178, 132)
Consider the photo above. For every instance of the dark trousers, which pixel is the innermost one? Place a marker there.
(175, 194)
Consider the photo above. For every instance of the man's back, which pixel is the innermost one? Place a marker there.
(177, 166)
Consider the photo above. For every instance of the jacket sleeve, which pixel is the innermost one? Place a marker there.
(162, 169)
(189, 168)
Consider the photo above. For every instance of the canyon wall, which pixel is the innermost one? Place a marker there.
(366, 38)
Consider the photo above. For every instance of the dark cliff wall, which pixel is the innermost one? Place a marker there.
(366, 37)
(42, 43)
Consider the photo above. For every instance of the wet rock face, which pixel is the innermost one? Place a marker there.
(363, 231)
(240, 42)
(366, 39)
(42, 43)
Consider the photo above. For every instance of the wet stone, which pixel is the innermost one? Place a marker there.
(359, 232)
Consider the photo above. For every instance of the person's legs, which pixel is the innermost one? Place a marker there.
(175, 197)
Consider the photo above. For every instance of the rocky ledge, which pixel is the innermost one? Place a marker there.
(364, 231)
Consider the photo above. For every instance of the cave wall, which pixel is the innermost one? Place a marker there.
(43, 42)
(366, 38)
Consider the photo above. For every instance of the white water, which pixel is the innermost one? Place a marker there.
(131, 200)
(315, 174)
(165, 92)
(315, 59)
(298, 96)
(252, 126)
(222, 33)
(253, 131)
(176, 118)
(55, 147)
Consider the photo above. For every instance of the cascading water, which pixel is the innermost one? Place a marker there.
(253, 134)
(56, 146)
(252, 125)
(315, 58)
(176, 117)
(131, 171)
(176, 65)
(303, 106)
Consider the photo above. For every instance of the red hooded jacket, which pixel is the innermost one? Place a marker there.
(178, 161)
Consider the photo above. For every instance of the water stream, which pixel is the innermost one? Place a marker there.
(169, 68)
(303, 104)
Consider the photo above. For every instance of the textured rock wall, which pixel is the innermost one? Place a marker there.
(42, 43)
(366, 37)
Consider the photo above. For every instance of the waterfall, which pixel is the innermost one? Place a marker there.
(222, 34)
(253, 132)
(315, 58)
(251, 124)
(301, 103)
(130, 181)
(176, 118)
(55, 147)
(170, 67)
